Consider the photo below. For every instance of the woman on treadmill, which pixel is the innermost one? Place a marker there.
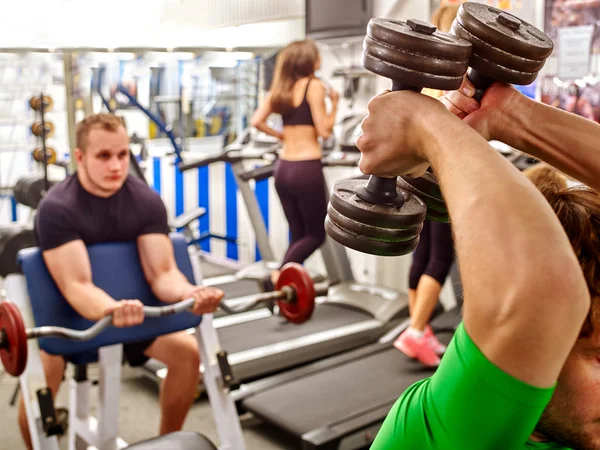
(299, 97)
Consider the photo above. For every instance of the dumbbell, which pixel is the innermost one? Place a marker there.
(505, 48)
(36, 103)
(38, 130)
(384, 216)
(38, 155)
(295, 296)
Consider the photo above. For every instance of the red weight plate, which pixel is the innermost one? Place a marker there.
(14, 358)
(301, 308)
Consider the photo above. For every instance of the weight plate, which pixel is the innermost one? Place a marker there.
(415, 54)
(36, 103)
(14, 357)
(499, 56)
(365, 245)
(407, 76)
(424, 188)
(38, 155)
(371, 232)
(437, 216)
(300, 309)
(36, 129)
(12, 241)
(410, 215)
(400, 35)
(504, 31)
(499, 73)
(408, 59)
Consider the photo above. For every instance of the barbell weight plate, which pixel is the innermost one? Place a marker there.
(38, 155)
(14, 357)
(365, 245)
(504, 31)
(370, 231)
(12, 241)
(301, 308)
(408, 216)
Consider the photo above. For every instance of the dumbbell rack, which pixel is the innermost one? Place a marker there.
(39, 105)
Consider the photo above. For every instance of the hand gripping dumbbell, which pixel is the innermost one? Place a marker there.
(295, 296)
(384, 216)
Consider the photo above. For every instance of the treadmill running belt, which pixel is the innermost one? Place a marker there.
(239, 288)
(273, 329)
(314, 401)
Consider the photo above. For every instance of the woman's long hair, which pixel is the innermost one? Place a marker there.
(295, 61)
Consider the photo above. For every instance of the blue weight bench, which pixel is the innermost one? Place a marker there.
(116, 268)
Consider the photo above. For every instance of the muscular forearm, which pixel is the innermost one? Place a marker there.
(564, 140)
(170, 286)
(88, 300)
(508, 240)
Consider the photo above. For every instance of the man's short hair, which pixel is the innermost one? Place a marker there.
(104, 121)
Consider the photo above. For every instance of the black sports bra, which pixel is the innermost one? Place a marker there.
(301, 114)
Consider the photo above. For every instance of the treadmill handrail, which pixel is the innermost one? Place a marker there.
(260, 173)
(233, 153)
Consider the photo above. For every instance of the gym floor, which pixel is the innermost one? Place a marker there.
(140, 415)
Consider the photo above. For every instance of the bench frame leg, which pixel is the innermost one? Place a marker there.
(223, 407)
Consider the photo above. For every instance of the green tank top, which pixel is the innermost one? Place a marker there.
(468, 404)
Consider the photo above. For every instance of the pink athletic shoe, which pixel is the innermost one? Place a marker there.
(436, 345)
(417, 348)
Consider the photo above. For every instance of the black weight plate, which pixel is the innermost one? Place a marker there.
(400, 35)
(410, 215)
(427, 183)
(483, 21)
(360, 244)
(409, 77)
(430, 201)
(437, 216)
(500, 73)
(496, 55)
(12, 240)
(408, 59)
(371, 232)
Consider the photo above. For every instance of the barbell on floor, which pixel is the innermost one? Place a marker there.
(295, 295)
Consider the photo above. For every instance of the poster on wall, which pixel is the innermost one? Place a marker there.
(561, 14)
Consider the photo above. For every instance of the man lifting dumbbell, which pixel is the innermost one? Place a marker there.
(523, 365)
(102, 203)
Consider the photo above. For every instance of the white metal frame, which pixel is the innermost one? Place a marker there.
(101, 432)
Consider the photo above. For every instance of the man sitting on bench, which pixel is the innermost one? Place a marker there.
(99, 203)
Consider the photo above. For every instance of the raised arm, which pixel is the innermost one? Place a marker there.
(525, 295)
(562, 139)
(323, 120)
(259, 118)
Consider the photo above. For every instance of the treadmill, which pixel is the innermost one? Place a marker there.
(342, 401)
(260, 342)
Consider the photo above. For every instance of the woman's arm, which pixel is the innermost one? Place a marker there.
(316, 99)
(259, 119)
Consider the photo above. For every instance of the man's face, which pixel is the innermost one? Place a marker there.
(572, 418)
(105, 161)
